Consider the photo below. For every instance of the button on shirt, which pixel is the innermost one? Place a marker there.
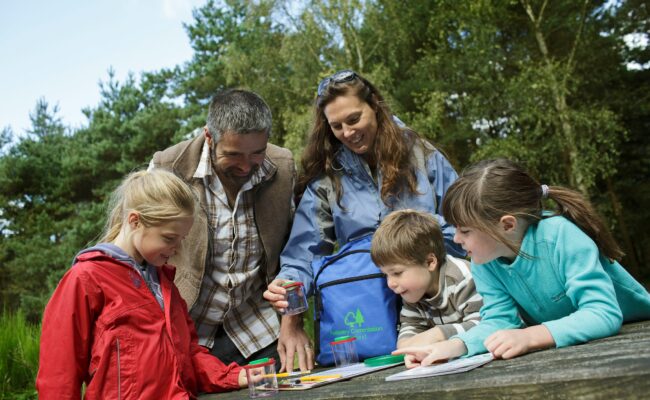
(232, 286)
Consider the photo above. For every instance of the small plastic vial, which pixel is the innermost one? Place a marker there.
(296, 298)
(344, 349)
(262, 380)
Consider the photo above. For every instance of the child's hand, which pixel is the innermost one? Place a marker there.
(414, 354)
(427, 337)
(427, 355)
(410, 361)
(511, 343)
(241, 379)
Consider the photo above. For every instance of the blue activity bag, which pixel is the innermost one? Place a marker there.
(351, 298)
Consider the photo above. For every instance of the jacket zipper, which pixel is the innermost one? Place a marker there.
(119, 372)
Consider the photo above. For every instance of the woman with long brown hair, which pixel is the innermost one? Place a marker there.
(360, 164)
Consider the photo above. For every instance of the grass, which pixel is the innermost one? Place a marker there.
(19, 344)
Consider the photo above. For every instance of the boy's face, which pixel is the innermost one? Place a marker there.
(413, 282)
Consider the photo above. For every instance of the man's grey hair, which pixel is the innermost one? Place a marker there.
(238, 111)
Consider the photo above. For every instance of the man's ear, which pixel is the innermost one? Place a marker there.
(432, 262)
(508, 223)
(208, 135)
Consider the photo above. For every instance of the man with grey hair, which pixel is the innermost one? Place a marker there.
(245, 188)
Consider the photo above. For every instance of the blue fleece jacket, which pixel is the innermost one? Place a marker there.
(565, 284)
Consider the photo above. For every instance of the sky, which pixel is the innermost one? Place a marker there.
(60, 50)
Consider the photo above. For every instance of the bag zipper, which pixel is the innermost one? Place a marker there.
(319, 298)
(336, 258)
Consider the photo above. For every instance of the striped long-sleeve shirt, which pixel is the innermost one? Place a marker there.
(454, 309)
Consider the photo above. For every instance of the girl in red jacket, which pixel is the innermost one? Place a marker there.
(116, 321)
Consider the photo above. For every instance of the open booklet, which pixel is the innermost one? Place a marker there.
(331, 376)
(450, 367)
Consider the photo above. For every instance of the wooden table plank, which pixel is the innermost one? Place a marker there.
(617, 367)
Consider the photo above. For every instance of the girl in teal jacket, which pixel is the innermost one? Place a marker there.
(547, 279)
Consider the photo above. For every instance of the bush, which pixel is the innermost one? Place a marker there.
(19, 345)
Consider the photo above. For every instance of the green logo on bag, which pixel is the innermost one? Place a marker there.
(354, 318)
(354, 321)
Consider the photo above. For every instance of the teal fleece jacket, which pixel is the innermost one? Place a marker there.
(565, 284)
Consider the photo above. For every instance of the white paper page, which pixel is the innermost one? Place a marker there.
(451, 367)
(354, 370)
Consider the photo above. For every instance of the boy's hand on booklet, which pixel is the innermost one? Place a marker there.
(436, 352)
(410, 361)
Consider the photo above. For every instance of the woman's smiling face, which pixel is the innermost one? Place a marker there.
(353, 122)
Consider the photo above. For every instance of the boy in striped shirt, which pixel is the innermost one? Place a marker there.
(438, 292)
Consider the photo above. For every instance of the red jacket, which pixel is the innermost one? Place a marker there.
(104, 327)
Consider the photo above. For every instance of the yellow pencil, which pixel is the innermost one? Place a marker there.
(289, 374)
(319, 377)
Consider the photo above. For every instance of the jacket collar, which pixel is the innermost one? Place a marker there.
(352, 164)
(109, 250)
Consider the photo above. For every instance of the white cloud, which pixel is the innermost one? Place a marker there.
(179, 9)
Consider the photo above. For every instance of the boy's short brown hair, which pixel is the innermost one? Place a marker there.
(408, 237)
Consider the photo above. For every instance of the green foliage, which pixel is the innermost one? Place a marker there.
(548, 86)
(19, 345)
(54, 183)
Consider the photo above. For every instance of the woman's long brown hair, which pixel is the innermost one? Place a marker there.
(392, 148)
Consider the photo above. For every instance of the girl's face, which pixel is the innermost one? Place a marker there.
(412, 282)
(353, 122)
(156, 244)
(480, 246)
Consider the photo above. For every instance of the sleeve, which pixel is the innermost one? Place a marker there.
(466, 301)
(66, 337)
(441, 175)
(499, 311)
(212, 374)
(312, 234)
(589, 288)
(411, 321)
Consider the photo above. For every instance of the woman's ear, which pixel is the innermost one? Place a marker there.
(432, 262)
(508, 223)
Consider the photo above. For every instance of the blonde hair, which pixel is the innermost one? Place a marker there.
(407, 237)
(157, 196)
(490, 189)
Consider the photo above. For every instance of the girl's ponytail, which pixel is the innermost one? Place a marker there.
(490, 189)
(572, 205)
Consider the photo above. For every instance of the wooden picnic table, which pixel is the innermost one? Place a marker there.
(617, 367)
